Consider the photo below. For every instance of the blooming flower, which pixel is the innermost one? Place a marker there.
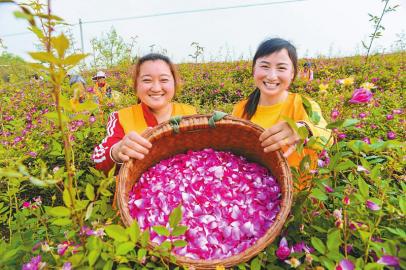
(349, 248)
(391, 135)
(360, 96)
(334, 114)
(366, 140)
(293, 262)
(92, 119)
(34, 264)
(323, 88)
(345, 264)
(362, 169)
(302, 247)
(283, 250)
(372, 206)
(346, 200)
(67, 266)
(26, 204)
(389, 260)
(368, 85)
(397, 111)
(389, 117)
(328, 188)
(347, 81)
(342, 136)
(337, 214)
(362, 115)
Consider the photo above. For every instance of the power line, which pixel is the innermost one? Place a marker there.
(191, 11)
(173, 13)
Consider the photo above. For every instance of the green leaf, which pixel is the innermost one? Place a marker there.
(134, 231)
(397, 231)
(90, 192)
(329, 264)
(117, 232)
(356, 146)
(124, 248)
(161, 230)
(318, 194)
(44, 57)
(342, 123)
(145, 236)
(74, 59)
(345, 165)
(62, 221)
(364, 235)
(255, 264)
(108, 265)
(142, 252)
(76, 259)
(60, 43)
(89, 211)
(180, 243)
(179, 230)
(350, 122)
(21, 15)
(291, 123)
(318, 245)
(363, 187)
(334, 240)
(53, 116)
(166, 246)
(10, 254)
(374, 266)
(58, 211)
(93, 256)
(402, 205)
(176, 216)
(88, 105)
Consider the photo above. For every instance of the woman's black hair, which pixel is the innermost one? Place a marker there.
(268, 47)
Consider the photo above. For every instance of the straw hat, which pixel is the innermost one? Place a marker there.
(99, 74)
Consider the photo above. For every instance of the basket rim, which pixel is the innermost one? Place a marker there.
(272, 232)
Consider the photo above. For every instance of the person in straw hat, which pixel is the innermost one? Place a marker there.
(274, 68)
(101, 89)
(155, 82)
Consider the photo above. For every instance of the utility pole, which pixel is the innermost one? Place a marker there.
(81, 35)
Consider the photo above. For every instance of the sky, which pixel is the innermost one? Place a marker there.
(331, 28)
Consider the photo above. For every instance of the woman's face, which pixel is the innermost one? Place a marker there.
(273, 74)
(155, 84)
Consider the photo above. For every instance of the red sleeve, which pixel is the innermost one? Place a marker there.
(101, 154)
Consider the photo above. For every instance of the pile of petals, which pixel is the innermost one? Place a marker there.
(227, 202)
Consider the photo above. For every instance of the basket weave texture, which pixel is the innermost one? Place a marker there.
(229, 134)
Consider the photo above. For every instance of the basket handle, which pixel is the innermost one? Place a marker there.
(217, 116)
(174, 121)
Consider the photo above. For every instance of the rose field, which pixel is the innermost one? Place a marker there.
(58, 212)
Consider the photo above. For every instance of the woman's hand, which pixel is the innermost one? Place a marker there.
(277, 136)
(131, 146)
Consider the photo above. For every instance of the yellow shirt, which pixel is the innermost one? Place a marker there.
(132, 118)
(292, 107)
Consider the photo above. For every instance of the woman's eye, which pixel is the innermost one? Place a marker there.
(164, 80)
(146, 80)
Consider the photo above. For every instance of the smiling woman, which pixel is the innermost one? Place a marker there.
(274, 68)
(155, 81)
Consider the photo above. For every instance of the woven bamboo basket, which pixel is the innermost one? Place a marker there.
(194, 133)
